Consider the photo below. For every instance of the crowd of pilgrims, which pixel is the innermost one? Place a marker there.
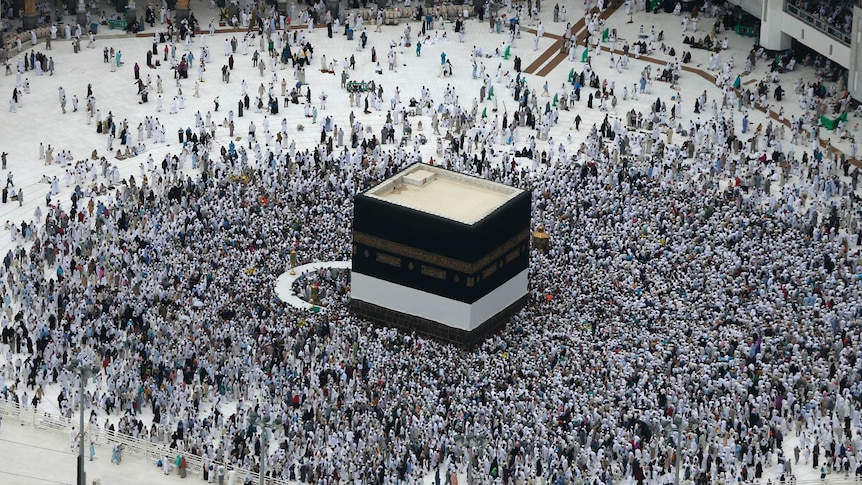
(839, 15)
(669, 297)
(710, 287)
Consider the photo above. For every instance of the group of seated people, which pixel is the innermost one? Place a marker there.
(642, 47)
(784, 63)
(707, 42)
(525, 152)
(667, 75)
(670, 51)
(130, 151)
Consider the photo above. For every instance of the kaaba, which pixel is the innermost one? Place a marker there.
(441, 254)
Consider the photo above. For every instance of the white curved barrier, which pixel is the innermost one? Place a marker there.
(284, 283)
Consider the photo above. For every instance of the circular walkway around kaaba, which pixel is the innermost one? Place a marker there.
(284, 283)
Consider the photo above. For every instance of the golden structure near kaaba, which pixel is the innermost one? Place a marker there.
(541, 239)
(440, 253)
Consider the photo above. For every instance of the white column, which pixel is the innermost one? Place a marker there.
(82, 15)
(771, 35)
(854, 80)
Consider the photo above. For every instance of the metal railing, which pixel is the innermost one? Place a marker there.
(150, 452)
(817, 23)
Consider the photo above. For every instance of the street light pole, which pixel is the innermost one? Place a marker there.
(678, 449)
(83, 371)
(263, 457)
(471, 441)
(682, 424)
(82, 476)
(265, 424)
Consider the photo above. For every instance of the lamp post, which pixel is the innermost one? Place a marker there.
(471, 441)
(681, 425)
(84, 371)
(677, 421)
(266, 424)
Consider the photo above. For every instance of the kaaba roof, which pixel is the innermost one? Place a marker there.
(444, 193)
